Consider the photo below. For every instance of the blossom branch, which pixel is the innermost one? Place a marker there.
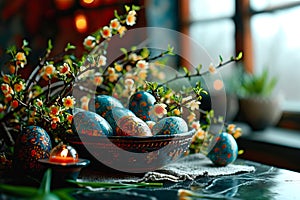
(198, 74)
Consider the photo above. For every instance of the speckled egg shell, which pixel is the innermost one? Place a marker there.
(170, 126)
(113, 115)
(104, 103)
(132, 126)
(225, 150)
(87, 123)
(32, 144)
(141, 103)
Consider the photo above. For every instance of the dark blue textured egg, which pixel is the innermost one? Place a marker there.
(32, 144)
(113, 115)
(225, 150)
(141, 104)
(87, 124)
(170, 126)
(104, 103)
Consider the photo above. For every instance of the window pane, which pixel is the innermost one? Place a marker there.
(277, 46)
(216, 37)
(207, 9)
(264, 4)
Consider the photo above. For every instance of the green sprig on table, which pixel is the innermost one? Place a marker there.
(44, 192)
(112, 185)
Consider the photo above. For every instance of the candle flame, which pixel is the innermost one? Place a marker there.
(64, 153)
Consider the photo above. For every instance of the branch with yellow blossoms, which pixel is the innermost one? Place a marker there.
(44, 97)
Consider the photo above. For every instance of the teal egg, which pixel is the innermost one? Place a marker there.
(104, 103)
(225, 150)
(132, 126)
(141, 104)
(113, 115)
(32, 144)
(88, 124)
(170, 126)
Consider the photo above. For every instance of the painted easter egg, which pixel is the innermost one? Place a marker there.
(150, 124)
(225, 150)
(104, 103)
(32, 144)
(141, 104)
(87, 124)
(170, 126)
(132, 126)
(113, 115)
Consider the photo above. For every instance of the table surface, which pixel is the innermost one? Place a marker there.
(266, 182)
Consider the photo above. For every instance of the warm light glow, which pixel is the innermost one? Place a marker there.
(88, 1)
(64, 4)
(64, 153)
(218, 84)
(81, 23)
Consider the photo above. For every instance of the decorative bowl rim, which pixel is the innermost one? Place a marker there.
(135, 139)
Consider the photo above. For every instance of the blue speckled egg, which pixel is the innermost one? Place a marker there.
(141, 104)
(170, 126)
(104, 103)
(32, 144)
(132, 126)
(87, 123)
(225, 150)
(113, 115)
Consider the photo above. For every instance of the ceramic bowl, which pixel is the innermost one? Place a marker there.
(133, 154)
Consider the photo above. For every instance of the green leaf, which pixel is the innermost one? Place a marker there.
(221, 59)
(127, 8)
(240, 56)
(25, 43)
(133, 48)
(22, 191)
(64, 194)
(134, 7)
(46, 182)
(170, 50)
(69, 47)
(115, 185)
(186, 71)
(145, 53)
(50, 46)
(11, 50)
(199, 67)
(124, 51)
(117, 15)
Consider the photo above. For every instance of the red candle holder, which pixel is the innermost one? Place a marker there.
(63, 154)
(64, 163)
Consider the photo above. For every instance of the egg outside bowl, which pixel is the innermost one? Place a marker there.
(133, 154)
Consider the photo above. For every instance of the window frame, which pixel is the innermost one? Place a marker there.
(243, 41)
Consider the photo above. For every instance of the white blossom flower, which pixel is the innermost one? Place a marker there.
(159, 110)
(131, 18)
(114, 24)
(129, 83)
(69, 102)
(21, 60)
(195, 125)
(106, 32)
(102, 60)
(194, 105)
(64, 69)
(89, 41)
(212, 69)
(142, 64)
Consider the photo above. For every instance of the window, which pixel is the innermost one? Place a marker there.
(266, 30)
